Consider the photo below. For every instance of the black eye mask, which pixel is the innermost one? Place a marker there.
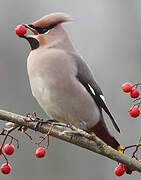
(42, 30)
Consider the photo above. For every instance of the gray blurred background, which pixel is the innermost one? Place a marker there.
(107, 33)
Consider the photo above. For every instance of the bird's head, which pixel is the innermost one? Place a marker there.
(41, 27)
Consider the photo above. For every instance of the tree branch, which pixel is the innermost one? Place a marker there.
(87, 141)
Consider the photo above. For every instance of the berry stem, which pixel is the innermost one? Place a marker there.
(135, 153)
(5, 158)
(12, 138)
(6, 135)
(137, 104)
(131, 146)
(3, 142)
(137, 99)
(46, 136)
(137, 84)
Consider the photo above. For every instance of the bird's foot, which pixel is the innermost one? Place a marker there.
(32, 117)
(48, 121)
(73, 132)
(70, 133)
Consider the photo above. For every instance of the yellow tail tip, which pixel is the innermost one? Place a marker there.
(120, 148)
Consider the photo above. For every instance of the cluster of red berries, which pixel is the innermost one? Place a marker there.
(134, 93)
(121, 169)
(9, 150)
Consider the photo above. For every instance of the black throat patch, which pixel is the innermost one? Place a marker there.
(34, 43)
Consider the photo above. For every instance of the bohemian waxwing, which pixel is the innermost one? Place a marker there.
(62, 82)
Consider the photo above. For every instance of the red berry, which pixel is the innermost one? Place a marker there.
(127, 87)
(134, 111)
(134, 93)
(40, 152)
(9, 149)
(5, 168)
(120, 169)
(20, 30)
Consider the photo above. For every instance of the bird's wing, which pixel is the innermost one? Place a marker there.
(85, 76)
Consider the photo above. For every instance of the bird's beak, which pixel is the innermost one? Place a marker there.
(34, 31)
(21, 31)
(31, 29)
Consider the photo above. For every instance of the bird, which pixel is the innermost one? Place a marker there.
(61, 80)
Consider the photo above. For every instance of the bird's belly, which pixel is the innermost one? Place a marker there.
(65, 107)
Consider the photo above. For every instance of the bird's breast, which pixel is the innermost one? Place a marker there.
(52, 98)
(55, 86)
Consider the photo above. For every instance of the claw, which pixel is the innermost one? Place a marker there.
(41, 122)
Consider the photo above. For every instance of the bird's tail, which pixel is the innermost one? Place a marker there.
(102, 132)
